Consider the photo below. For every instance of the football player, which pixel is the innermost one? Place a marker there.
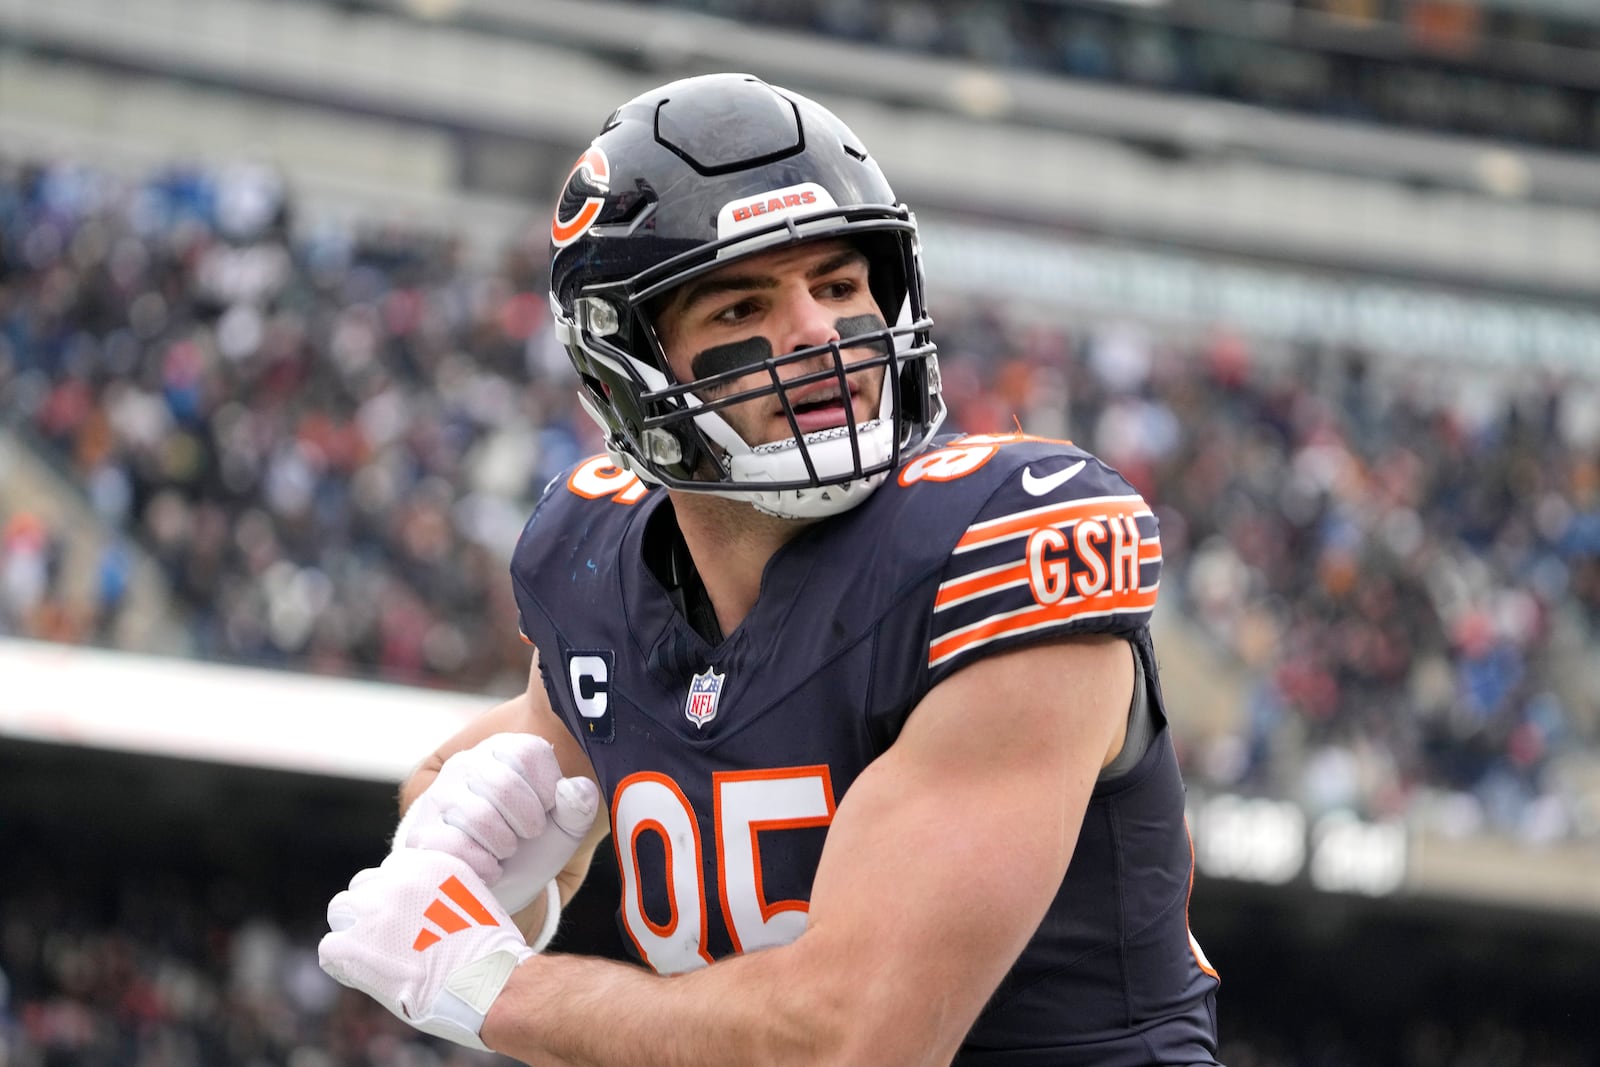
(871, 716)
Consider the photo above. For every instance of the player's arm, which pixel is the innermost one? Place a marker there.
(938, 867)
(529, 712)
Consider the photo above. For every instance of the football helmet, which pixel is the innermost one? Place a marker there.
(684, 180)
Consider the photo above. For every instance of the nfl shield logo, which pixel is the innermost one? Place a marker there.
(704, 690)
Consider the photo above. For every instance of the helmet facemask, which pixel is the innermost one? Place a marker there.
(676, 435)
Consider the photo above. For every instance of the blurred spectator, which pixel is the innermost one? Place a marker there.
(330, 448)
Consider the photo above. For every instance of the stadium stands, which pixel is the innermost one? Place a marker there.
(1514, 71)
(270, 424)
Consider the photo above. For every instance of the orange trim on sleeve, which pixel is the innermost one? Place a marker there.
(995, 579)
(1037, 617)
(1019, 523)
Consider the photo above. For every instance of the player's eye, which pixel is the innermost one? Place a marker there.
(735, 313)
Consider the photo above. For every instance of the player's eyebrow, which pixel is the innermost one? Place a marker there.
(699, 292)
(719, 285)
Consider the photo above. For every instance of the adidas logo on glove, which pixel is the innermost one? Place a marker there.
(442, 915)
(462, 952)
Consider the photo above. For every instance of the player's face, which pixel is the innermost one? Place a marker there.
(774, 303)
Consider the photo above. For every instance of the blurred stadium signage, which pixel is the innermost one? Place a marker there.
(1494, 331)
(1274, 842)
(245, 716)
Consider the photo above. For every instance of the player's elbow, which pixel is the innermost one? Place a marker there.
(884, 1042)
(835, 1031)
(850, 1017)
(855, 1038)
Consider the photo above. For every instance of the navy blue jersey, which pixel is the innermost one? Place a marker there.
(724, 764)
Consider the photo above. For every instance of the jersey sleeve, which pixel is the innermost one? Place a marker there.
(564, 564)
(1066, 546)
(578, 512)
(529, 620)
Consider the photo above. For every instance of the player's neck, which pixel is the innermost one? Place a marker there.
(730, 542)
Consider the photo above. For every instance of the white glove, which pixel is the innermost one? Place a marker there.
(503, 807)
(423, 936)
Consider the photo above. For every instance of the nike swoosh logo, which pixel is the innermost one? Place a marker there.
(1034, 485)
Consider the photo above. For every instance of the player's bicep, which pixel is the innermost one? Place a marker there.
(947, 850)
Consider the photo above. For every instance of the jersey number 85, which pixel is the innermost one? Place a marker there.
(747, 805)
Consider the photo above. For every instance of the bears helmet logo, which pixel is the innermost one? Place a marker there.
(582, 197)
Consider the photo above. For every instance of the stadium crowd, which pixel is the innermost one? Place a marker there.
(1518, 72)
(328, 442)
(297, 435)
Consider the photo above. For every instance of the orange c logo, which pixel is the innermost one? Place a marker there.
(582, 197)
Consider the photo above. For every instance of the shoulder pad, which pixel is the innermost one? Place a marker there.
(582, 510)
(592, 483)
(1061, 544)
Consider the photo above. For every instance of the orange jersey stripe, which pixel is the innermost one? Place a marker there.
(1037, 617)
(1007, 575)
(1017, 524)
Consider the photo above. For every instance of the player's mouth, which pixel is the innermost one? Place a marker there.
(821, 407)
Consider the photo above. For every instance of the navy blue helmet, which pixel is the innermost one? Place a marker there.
(691, 177)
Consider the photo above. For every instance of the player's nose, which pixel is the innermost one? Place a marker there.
(807, 323)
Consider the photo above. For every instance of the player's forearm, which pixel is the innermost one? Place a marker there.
(596, 1013)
